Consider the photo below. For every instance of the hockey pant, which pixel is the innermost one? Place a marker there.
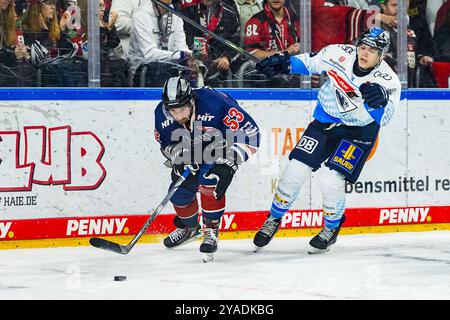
(186, 204)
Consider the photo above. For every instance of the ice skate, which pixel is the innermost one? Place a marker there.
(266, 233)
(209, 244)
(325, 238)
(182, 236)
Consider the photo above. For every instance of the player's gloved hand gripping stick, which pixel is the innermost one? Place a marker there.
(223, 172)
(278, 63)
(125, 249)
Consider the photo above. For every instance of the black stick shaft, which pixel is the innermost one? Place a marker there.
(226, 42)
(159, 209)
(125, 249)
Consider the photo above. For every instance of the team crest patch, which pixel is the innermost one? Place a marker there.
(347, 156)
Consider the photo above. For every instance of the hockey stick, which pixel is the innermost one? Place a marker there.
(226, 42)
(125, 249)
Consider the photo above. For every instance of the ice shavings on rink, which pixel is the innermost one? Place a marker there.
(376, 266)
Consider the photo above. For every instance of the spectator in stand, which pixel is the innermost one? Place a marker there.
(109, 39)
(124, 10)
(20, 6)
(82, 4)
(11, 49)
(337, 24)
(440, 15)
(360, 4)
(272, 30)
(222, 18)
(419, 23)
(441, 39)
(52, 51)
(389, 8)
(42, 30)
(432, 7)
(76, 28)
(15, 68)
(424, 54)
(191, 9)
(246, 9)
(113, 68)
(158, 42)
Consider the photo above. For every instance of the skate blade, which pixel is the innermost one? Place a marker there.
(312, 250)
(256, 249)
(198, 235)
(207, 257)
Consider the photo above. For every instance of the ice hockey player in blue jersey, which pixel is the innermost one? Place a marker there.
(209, 133)
(360, 95)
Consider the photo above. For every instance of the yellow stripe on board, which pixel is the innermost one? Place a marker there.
(151, 238)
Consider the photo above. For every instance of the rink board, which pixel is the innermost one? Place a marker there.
(72, 169)
(54, 232)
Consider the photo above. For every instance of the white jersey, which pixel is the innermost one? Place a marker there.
(339, 97)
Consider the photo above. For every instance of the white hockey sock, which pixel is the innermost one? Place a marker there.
(294, 176)
(332, 184)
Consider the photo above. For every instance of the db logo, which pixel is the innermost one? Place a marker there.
(307, 144)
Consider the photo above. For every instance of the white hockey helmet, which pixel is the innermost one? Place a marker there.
(376, 38)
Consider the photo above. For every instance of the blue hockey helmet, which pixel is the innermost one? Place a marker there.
(376, 38)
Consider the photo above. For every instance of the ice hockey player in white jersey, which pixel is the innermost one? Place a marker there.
(359, 97)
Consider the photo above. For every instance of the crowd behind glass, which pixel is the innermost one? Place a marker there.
(44, 43)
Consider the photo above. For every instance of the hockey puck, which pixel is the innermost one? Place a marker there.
(120, 278)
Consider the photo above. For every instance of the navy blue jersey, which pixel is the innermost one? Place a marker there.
(215, 114)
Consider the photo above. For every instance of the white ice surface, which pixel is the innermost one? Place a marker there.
(377, 266)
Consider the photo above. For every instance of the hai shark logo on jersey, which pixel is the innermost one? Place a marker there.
(347, 156)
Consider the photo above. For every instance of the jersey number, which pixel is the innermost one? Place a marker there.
(252, 30)
(233, 119)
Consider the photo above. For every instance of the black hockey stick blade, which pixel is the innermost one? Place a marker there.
(109, 245)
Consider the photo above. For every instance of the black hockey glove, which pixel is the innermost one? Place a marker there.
(181, 158)
(374, 95)
(279, 63)
(223, 171)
